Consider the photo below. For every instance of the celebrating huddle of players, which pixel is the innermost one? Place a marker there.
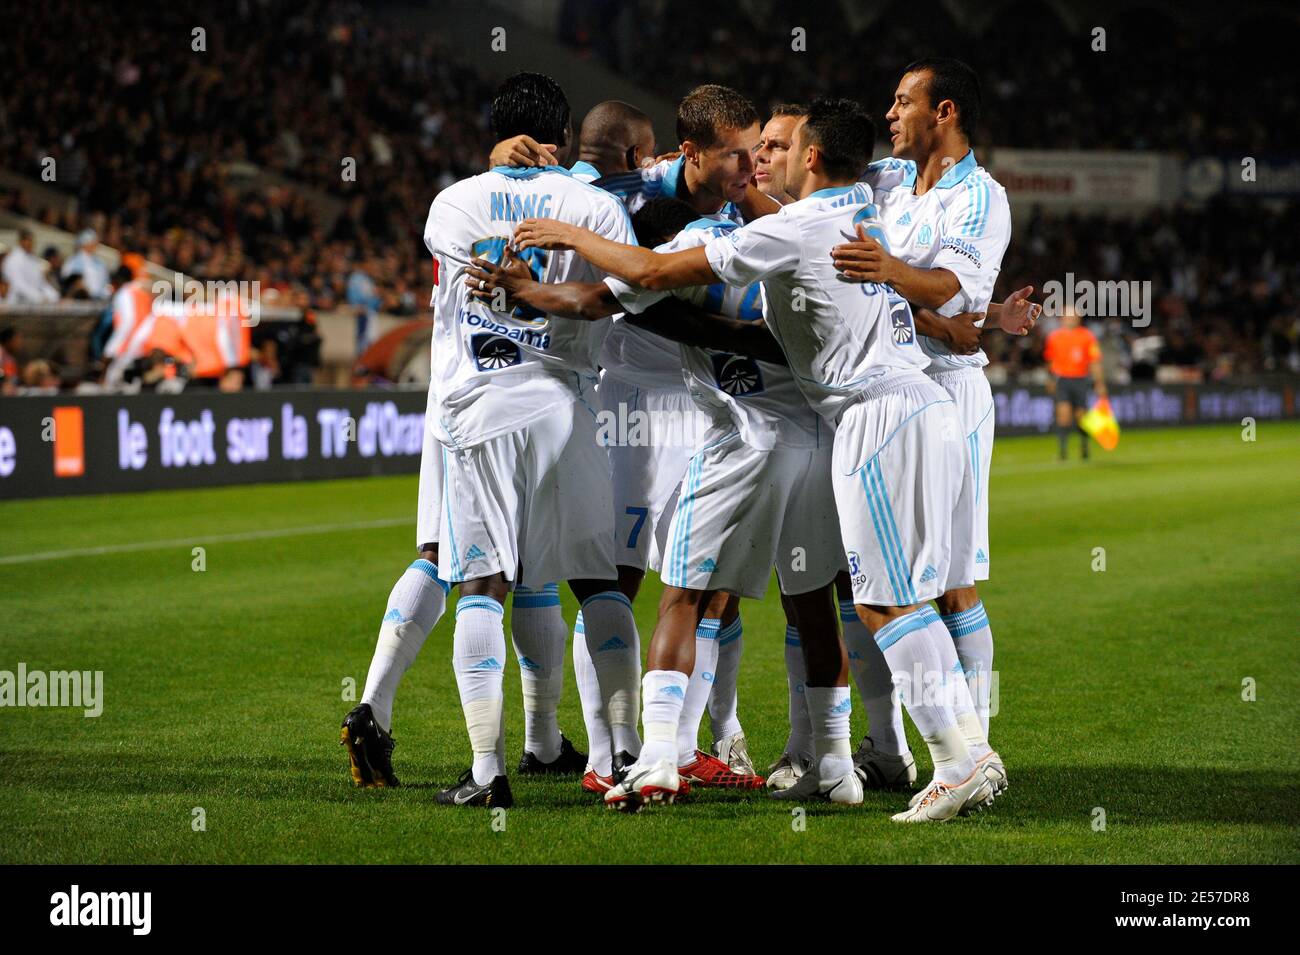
(808, 323)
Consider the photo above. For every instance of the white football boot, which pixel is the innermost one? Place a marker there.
(787, 771)
(994, 772)
(939, 802)
(734, 751)
(846, 790)
(640, 785)
(879, 770)
(991, 765)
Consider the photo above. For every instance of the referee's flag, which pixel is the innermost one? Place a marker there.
(1099, 423)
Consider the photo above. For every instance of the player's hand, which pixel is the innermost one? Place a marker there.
(483, 278)
(864, 260)
(1018, 314)
(522, 151)
(963, 336)
(545, 234)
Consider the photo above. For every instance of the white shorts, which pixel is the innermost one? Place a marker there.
(428, 509)
(898, 477)
(971, 393)
(743, 511)
(534, 504)
(651, 434)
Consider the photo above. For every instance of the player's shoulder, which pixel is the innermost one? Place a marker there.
(890, 173)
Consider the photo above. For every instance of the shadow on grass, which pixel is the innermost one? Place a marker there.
(1152, 794)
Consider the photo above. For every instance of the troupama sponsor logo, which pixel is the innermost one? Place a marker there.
(74, 907)
(62, 688)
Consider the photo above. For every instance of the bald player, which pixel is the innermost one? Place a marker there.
(615, 137)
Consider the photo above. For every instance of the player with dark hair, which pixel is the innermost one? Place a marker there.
(945, 224)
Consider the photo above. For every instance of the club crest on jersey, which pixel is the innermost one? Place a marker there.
(925, 236)
(737, 375)
(492, 352)
(901, 316)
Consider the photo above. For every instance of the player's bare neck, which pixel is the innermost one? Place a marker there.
(943, 157)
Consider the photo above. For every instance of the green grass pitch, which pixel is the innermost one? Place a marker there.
(1121, 691)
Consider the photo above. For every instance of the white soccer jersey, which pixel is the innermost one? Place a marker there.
(963, 224)
(630, 353)
(841, 338)
(759, 399)
(496, 372)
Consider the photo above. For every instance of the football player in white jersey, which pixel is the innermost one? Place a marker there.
(526, 494)
(897, 460)
(866, 663)
(615, 137)
(717, 129)
(946, 224)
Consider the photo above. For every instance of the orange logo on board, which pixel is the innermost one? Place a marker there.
(69, 443)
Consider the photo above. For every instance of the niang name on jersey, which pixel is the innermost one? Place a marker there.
(962, 248)
(526, 336)
(506, 207)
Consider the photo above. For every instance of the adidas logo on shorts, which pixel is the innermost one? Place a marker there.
(473, 553)
(980, 558)
(929, 574)
(707, 566)
(613, 643)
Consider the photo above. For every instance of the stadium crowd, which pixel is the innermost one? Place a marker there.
(229, 162)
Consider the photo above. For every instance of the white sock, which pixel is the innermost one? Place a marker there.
(414, 608)
(722, 701)
(871, 674)
(955, 688)
(829, 708)
(539, 632)
(600, 744)
(915, 660)
(973, 637)
(478, 655)
(697, 691)
(665, 692)
(799, 743)
(616, 656)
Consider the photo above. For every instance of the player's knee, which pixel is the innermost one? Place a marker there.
(494, 586)
(957, 600)
(678, 600)
(629, 581)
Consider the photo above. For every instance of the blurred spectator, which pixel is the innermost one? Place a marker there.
(24, 273)
(39, 379)
(265, 369)
(11, 347)
(84, 272)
